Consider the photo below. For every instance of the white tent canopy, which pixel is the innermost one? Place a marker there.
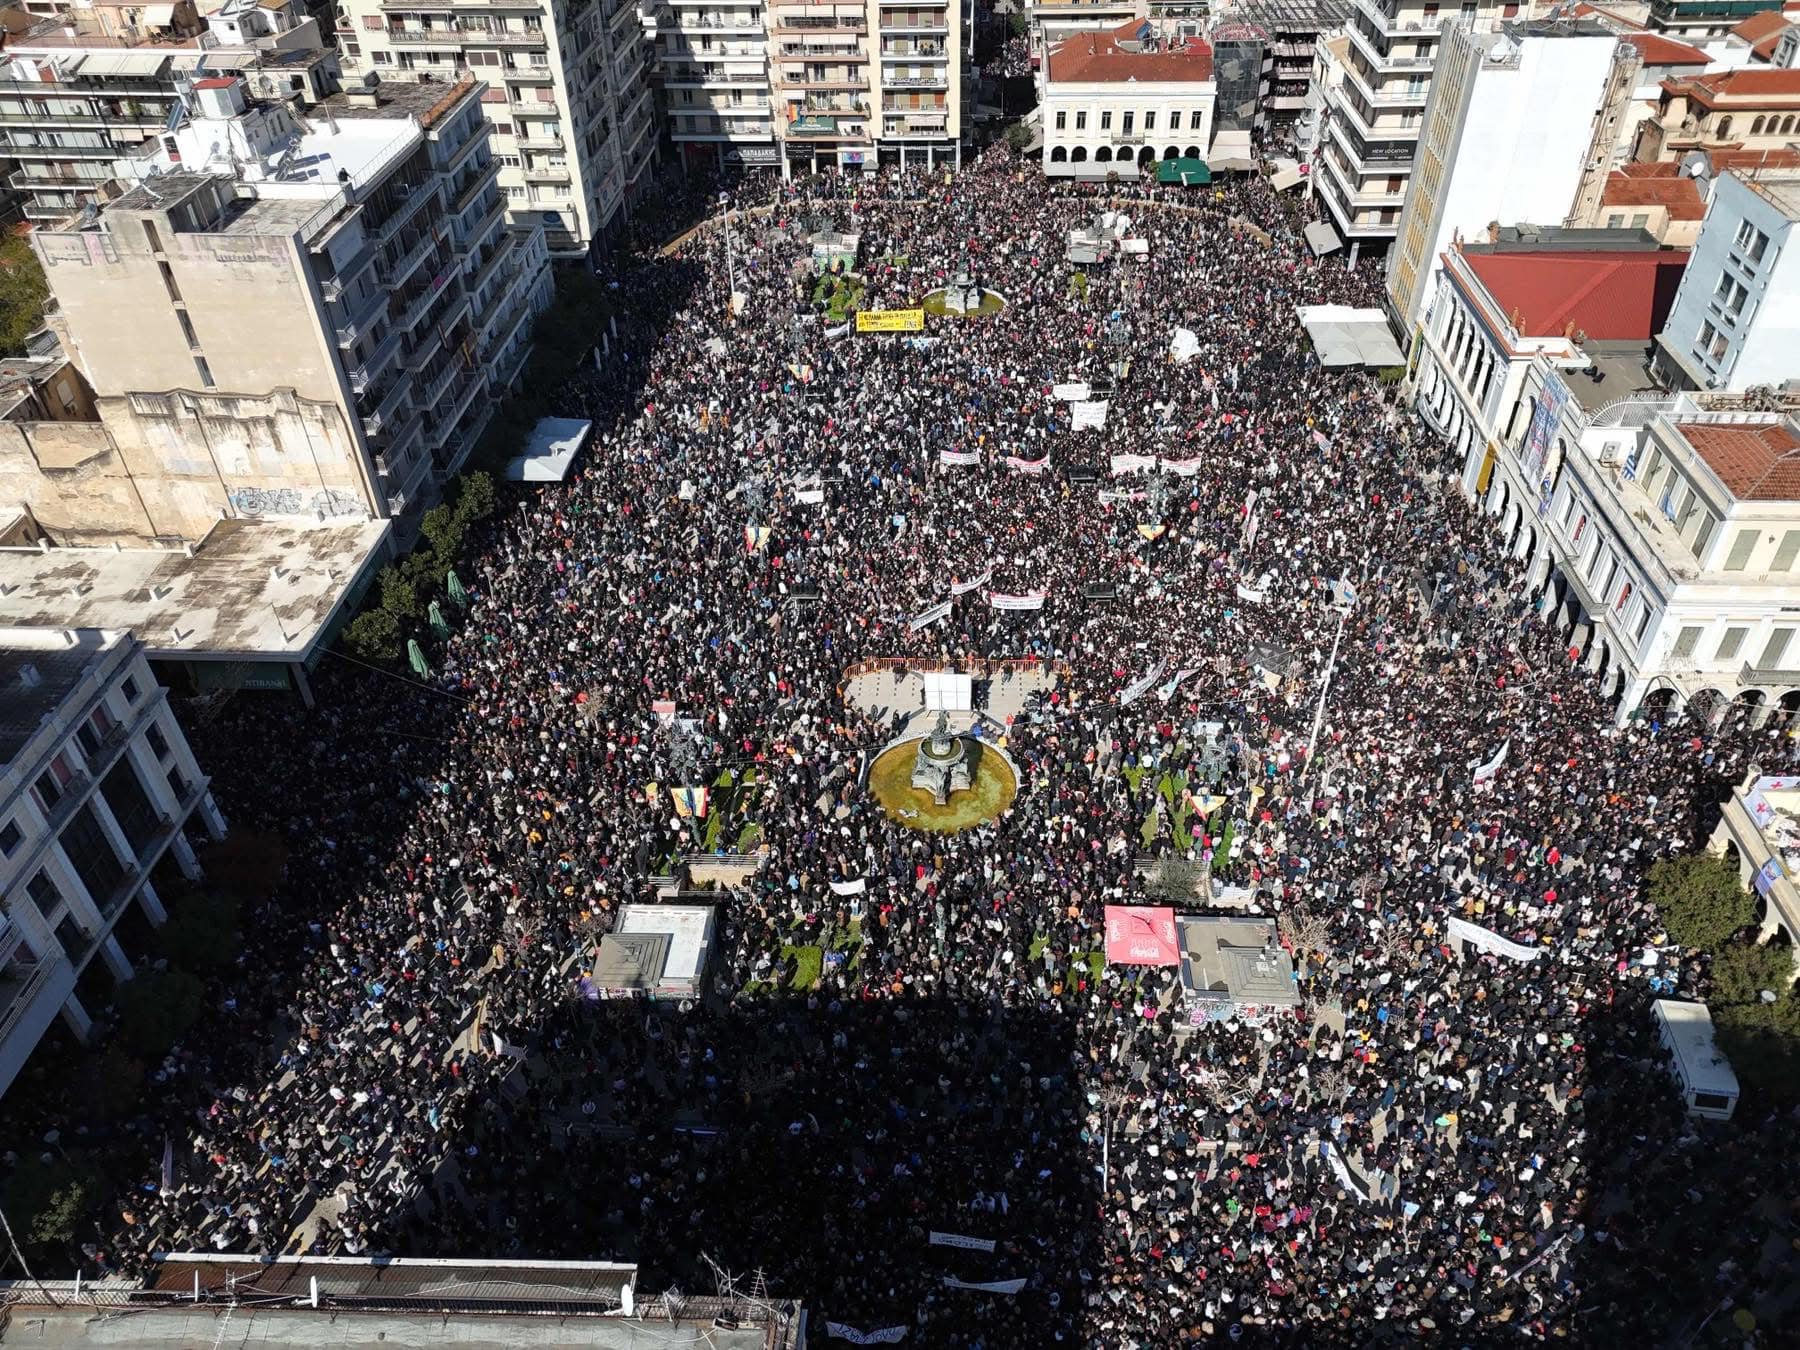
(1322, 239)
(554, 443)
(1343, 336)
(1288, 177)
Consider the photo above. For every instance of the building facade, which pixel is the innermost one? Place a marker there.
(1374, 119)
(1752, 109)
(1517, 122)
(97, 784)
(1113, 103)
(1736, 320)
(569, 95)
(285, 316)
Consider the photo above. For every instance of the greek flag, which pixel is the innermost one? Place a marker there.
(1631, 463)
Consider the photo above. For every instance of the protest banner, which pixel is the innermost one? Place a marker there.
(890, 321)
(885, 1336)
(856, 887)
(1487, 940)
(1132, 692)
(926, 617)
(964, 587)
(1183, 468)
(1032, 600)
(985, 1287)
(1089, 414)
(973, 1244)
(959, 457)
(1071, 393)
(1486, 771)
(1132, 463)
(1018, 465)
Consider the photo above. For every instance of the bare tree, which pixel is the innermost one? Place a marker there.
(1304, 931)
(1330, 1085)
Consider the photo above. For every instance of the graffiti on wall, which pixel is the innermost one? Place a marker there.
(256, 501)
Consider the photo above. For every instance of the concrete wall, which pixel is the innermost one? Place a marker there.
(167, 466)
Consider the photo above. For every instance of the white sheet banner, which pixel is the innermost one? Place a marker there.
(985, 1286)
(1168, 690)
(1071, 393)
(1483, 772)
(1018, 465)
(959, 457)
(973, 1244)
(1183, 468)
(885, 1336)
(1249, 596)
(964, 587)
(1132, 463)
(1487, 940)
(810, 496)
(1033, 600)
(856, 887)
(1132, 692)
(1183, 346)
(926, 617)
(1346, 1178)
(1089, 414)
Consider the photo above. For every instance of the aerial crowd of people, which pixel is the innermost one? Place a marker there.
(1438, 1142)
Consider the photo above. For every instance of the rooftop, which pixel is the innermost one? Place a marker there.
(38, 669)
(1657, 50)
(1299, 16)
(1678, 194)
(1118, 57)
(1757, 87)
(1617, 22)
(1762, 31)
(425, 99)
(1759, 461)
(1780, 188)
(1607, 295)
(252, 591)
(1235, 958)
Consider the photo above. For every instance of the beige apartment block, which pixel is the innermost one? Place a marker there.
(813, 84)
(569, 95)
(283, 316)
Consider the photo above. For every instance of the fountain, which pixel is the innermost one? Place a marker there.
(963, 298)
(941, 766)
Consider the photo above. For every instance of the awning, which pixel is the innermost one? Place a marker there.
(1321, 238)
(554, 443)
(159, 16)
(1285, 179)
(1345, 336)
(123, 63)
(1090, 171)
(1187, 172)
(1231, 152)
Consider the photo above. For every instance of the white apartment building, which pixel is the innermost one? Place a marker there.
(1115, 104)
(1517, 122)
(99, 80)
(1758, 834)
(285, 316)
(568, 92)
(97, 783)
(1736, 320)
(1374, 118)
(1662, 531)
(712, 60)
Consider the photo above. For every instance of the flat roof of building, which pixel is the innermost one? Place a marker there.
(1609, 295)
(254, 590)
(1780, 188)
(38, 669)
(1111, 58)
(1759, 461)
(424, 99)
(1237, 958)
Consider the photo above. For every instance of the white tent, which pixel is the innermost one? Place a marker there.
(554, 443)
(1343, 336)
(1322, 239)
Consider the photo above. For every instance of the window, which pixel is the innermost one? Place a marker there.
(1742, 546)
(1787, 551)
(1126, 126)
(1106, 121)
(1707, 333)
(1685, 642)
(1724, 127)
(1711, 1101)
(89, 741)
(92, 854)
(1196, 120)
(74, 941)
(129, 688)
(158, 743)
(1756, 127)
(131, 806)
(1751, 240)
(1616, 221)
(45, 898)
(168, 280)
(1774, 649)
(1730, 644)
(51, 782)
(1062, 121)
(1149, 122)
(1081, 120)
(10, 835)
(204, 371)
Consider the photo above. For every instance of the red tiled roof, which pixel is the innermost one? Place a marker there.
(1762, 31)
(1619, 21)
(1758, 461)
(1096, 58)
(1608, 295)
(1652, 168)
(1752, 88)
(1781, 158)
(1680, 195)
(1661, 51)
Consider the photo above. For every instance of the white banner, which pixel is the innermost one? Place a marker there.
(1027, 465)
(1071, 393)
(1168, 690)
(986, 1286)
(1033, 600)
(885, 1336)
(1183, 346)
(959, 457)
(1486, 771)
(1487, 940)
(1132, 692)
(1346, 1178)
(964, 587)
(856, 887)
(1248, 596)
(1132, 463)
(810, 496)
(926, 617)
(1183, 468)
(973, 1244)
(1089, 414)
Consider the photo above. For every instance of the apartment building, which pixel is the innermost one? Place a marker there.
(1294, 28)
(285, 316)
(1517, 123)
(1694, 20)
(1374, 118)
(97, 784)
(713, 63)
(1116, 101)
(98, 81)
(1750, 109)
(1736, 320)
(568, 92)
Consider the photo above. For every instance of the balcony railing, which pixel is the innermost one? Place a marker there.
(453, 36)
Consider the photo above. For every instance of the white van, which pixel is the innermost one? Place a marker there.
(1708, 1085)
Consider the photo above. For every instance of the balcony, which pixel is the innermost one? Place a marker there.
(364, 376)
(819, 52)
(835, 23)
(458, 35)
(395, 274)
(387, 411)
(531, 107)
(467, 241)
(548, 139)
(413, 6)
(917, 82)
(472, 188)
(839, 84)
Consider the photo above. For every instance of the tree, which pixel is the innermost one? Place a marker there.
(106, 1086)
(374, 635)
(398, 595)
(1018, 136)
(48, 1200)
(23, 294)
(202, 932)
(1762, 1041)
(475, 500)
(1700, 900)
(443, 527)
(155, 1009)
(1741, 971)
(1018, 23)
